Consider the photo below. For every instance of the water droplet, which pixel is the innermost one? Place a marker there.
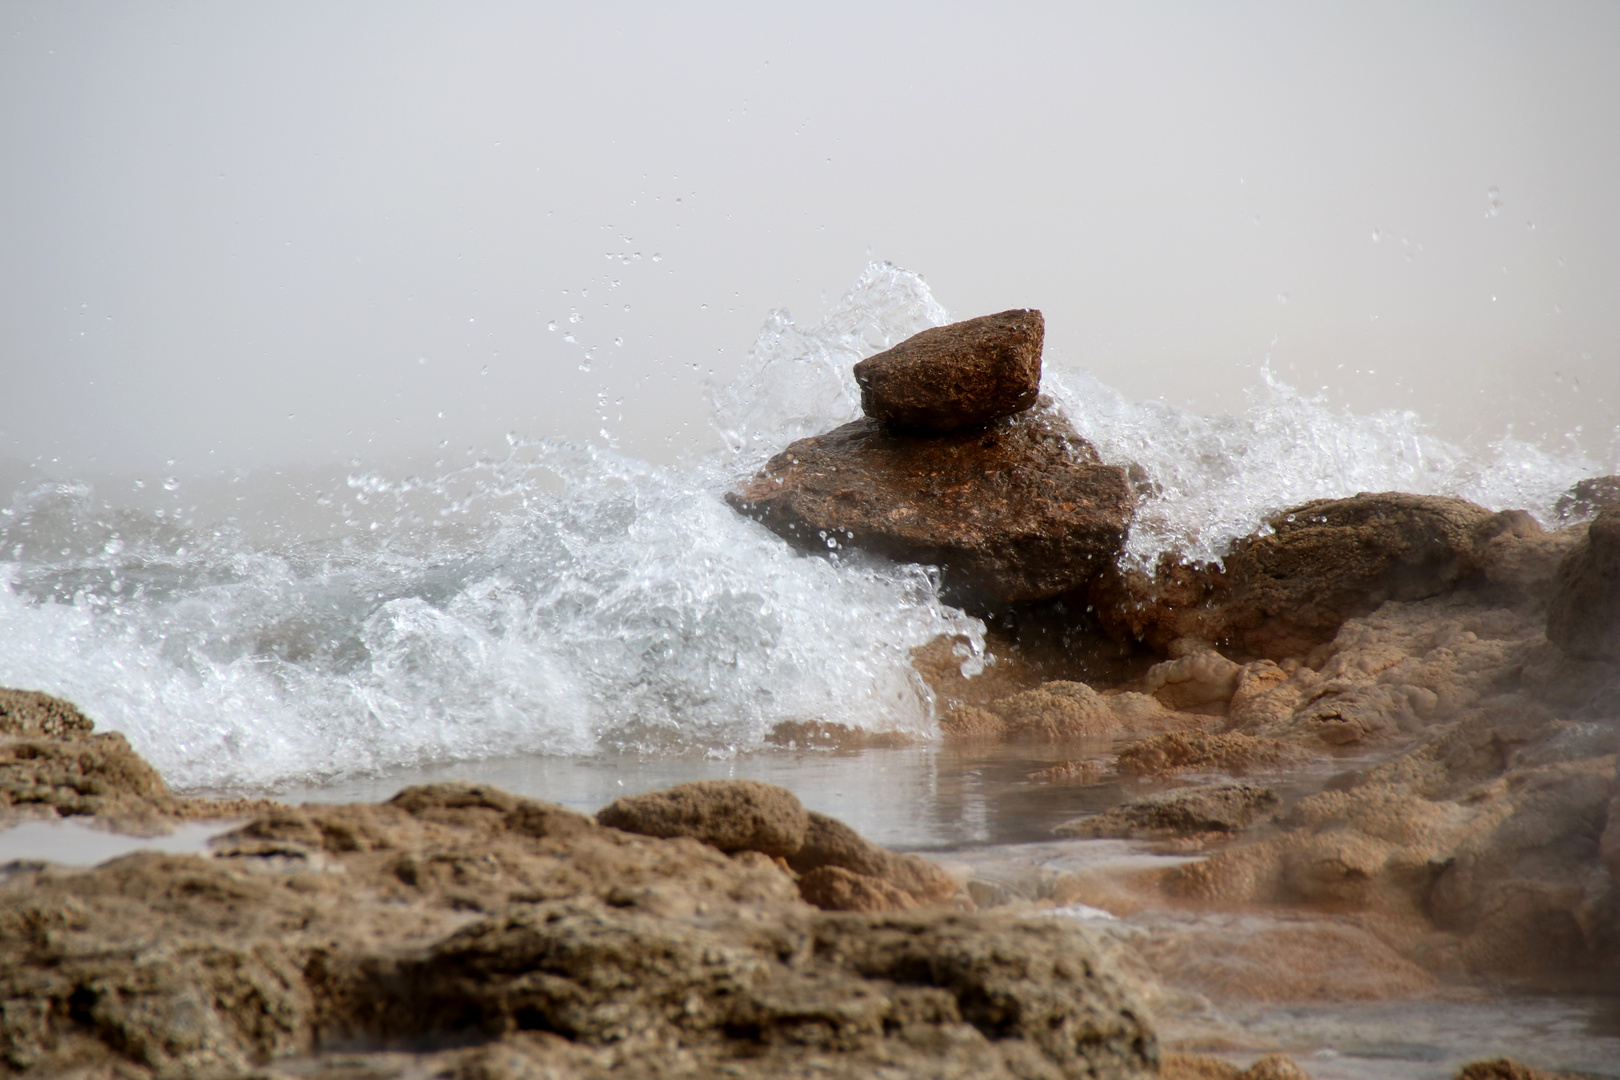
(574, 316)
(618, 341)
(171, 484)
(552, 325)
(1494, 199)
(658, 256)
(1282, 298)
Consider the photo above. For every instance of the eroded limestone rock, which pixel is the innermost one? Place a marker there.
(733, 815)
(1213, 808)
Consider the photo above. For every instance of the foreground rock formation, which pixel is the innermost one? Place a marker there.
(460, 931)
(1475, 831)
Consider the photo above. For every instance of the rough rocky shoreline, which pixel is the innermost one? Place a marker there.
(1375, 748)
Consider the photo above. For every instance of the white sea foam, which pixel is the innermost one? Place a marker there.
(564, 600)
(1216, 478)
(630, 609)
(797, 381)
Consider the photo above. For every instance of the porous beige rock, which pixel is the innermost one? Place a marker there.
(1019, 510)
(832, 888)
(962, 375)
(1230, 752)
(733, 815)
(828, 842)
(1054, 711)
(1212, 808)
(1199, 679)
(31, 713)
(458, 929)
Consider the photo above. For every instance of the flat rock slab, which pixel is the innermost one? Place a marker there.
(962, 375)
(1019, 510)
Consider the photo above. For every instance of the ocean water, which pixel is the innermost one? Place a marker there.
(567, 603)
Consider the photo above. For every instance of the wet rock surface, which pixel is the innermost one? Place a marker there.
(1288, 589)
(1019, 510)
(1215, 808)
(962, 375)
(733, 815)
(53, 764)
(458, 929)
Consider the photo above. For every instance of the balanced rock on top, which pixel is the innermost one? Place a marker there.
(962, 375)
(952, 467)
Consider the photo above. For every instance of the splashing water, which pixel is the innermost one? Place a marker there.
(567, 600)
(797, 382)
(1213, 479)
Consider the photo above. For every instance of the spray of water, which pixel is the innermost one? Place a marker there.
(567, 600)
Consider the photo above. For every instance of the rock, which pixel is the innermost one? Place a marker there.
(962, 375)
(832, 888)
(1203, 1067)
(828, 842)
(1191, 751)
(1587, 497)
(1020, 510)
(28, 712)
(1583, 618)
(1508, 1069)
(53, 764)
(1189, 682)
(1055, 711)
(1290, 587)
(732, 815)
(93, 776)
(1226, 808)
(1276, 1067)
(601, 952)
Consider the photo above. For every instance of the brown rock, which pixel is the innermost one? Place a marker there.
(733, 815)
(828, 842)
(1203, 1067)
(962, 375)
(1020, 510)
(1291, 587)
(96, 775)
(832, 888)
(1191, 751)
(1587, 497)
(1056, 711)
(1275, 1067)
(1179, 1066)
(1189, 682)
(1508, 1069)
(1225, 808)
(1583, 618)
(29, 712)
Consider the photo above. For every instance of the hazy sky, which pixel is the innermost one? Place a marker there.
(238, 234)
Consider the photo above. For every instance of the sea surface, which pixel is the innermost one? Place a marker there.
(574, 624)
